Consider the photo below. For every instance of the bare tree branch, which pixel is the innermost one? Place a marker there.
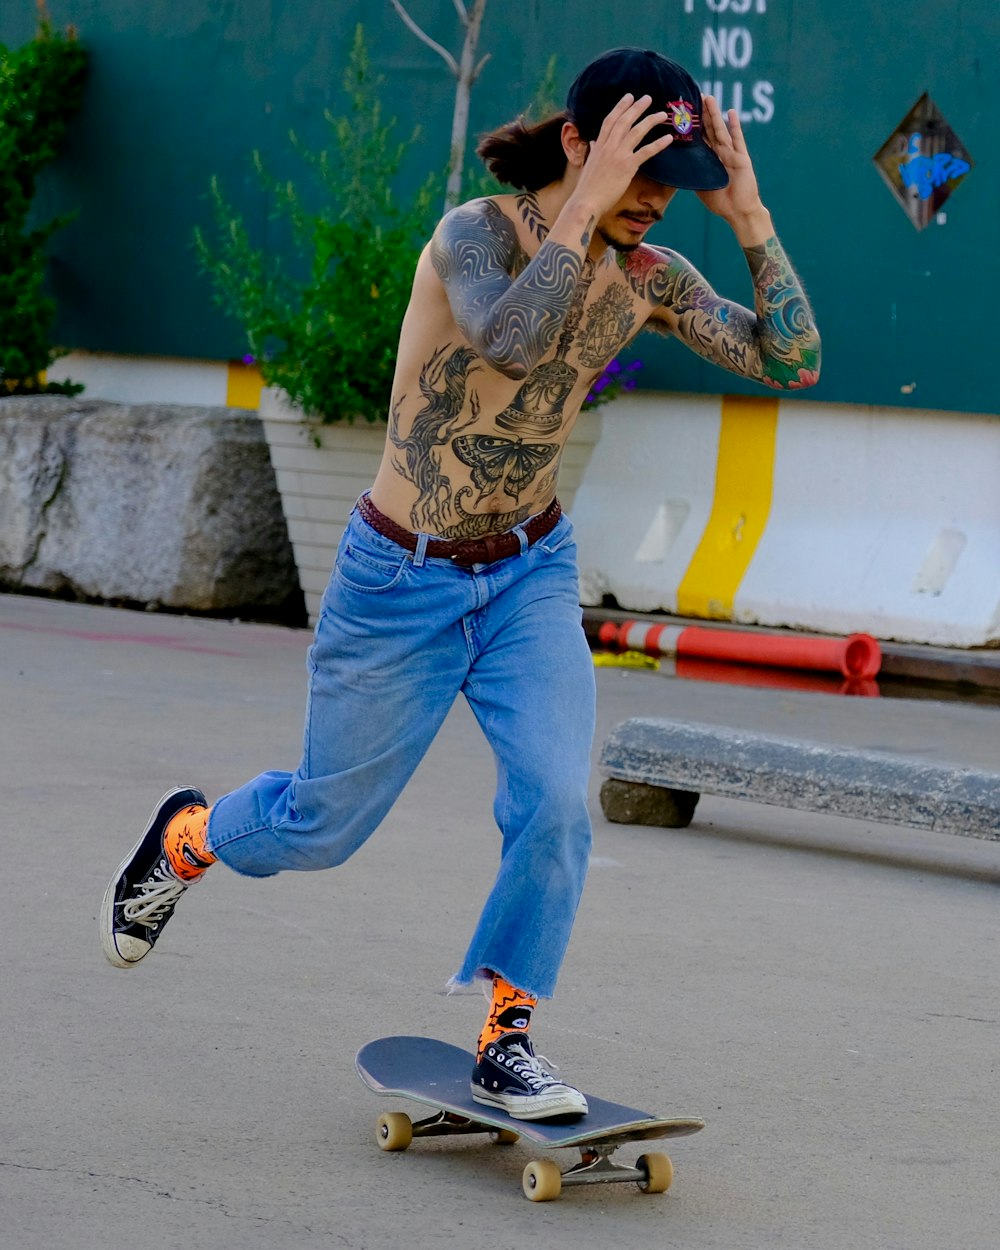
(425, 38)
(466, 70)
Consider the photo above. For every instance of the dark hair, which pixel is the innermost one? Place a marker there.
(524, 154)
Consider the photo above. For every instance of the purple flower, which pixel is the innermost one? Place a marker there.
(629, 384)
(248, 359)
(613, 366)
(636, 364)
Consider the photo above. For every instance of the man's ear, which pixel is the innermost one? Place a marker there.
(574, 146)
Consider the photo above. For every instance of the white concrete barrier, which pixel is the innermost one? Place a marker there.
(824, 517)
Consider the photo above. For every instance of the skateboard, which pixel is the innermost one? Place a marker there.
(437, 1075)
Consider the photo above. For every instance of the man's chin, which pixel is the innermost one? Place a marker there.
(619, 245)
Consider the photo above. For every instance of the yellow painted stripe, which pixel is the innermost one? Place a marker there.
(744, 477)
(243, 385)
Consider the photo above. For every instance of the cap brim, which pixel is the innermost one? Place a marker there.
(687, 166)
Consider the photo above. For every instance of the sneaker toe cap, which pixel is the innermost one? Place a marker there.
(129, 950)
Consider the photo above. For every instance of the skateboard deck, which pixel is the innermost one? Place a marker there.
(437, 1075)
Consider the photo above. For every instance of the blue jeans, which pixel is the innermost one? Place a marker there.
(397, 638)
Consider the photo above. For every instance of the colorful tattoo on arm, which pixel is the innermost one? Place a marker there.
(789, 341)
(776, 342)
(512, 322)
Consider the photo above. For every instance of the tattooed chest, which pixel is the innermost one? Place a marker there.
(479, 457)
(595, 331)
(608, 326)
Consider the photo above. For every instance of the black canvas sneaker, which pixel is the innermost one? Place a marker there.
(144, 891)
(511, 1076)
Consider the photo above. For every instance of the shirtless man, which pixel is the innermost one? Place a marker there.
(457, 571)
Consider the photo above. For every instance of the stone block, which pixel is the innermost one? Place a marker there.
(166, 505)
(635, 803)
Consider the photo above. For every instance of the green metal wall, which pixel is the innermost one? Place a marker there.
(182, 90)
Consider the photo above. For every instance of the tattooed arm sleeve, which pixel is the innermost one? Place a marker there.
(509, 308)
(776, 342)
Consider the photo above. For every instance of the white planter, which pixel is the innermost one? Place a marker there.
(319, 484)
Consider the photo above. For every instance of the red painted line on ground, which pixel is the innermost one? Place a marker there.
(143, 640)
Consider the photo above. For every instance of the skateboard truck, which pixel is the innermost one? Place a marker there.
(543, 1179)
(392, 1129)
(596, 1167)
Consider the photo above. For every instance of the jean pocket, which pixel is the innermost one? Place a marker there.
(370, 574)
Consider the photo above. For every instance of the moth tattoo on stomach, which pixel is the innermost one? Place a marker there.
(507, 463)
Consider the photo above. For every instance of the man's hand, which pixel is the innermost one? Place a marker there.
(614, 157)
(738, 203)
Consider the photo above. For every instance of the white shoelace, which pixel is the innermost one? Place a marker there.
(533, 1069)
(157, 896)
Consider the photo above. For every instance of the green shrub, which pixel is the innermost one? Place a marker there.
(329, 338)
(40, 88)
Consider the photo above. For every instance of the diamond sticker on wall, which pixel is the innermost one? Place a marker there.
(923, 161)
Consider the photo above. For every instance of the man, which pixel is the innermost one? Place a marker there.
(457, 571)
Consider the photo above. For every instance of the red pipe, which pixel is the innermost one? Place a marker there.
(858, 657)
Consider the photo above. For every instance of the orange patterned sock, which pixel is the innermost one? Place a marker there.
(184, 843)
(510, 1012)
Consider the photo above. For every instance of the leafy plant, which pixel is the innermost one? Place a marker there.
(41, 86)
(329, 338)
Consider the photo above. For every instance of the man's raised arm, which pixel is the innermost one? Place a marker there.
(777, 341)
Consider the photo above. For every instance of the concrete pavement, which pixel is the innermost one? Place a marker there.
(823, 992)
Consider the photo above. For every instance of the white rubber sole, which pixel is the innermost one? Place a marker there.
(564, 1101)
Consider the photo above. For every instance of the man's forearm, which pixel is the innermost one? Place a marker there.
(511, 320)
(525, 321)
(786, 332)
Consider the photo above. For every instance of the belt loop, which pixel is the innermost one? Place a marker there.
(421, 551)
(522, 538)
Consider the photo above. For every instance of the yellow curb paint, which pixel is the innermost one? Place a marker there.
(243, 385)
(744, 477)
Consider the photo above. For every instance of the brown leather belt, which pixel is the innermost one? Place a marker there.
(464, 551)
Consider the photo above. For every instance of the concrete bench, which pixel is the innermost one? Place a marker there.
(656, 768)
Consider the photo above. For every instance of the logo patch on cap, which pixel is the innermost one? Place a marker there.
(682, 118)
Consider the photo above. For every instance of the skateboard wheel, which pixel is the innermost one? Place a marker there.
(505, 1136)
(659, 1173)
(541, 1180)
(394, 1130)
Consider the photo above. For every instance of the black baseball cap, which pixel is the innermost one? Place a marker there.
(688, 163)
